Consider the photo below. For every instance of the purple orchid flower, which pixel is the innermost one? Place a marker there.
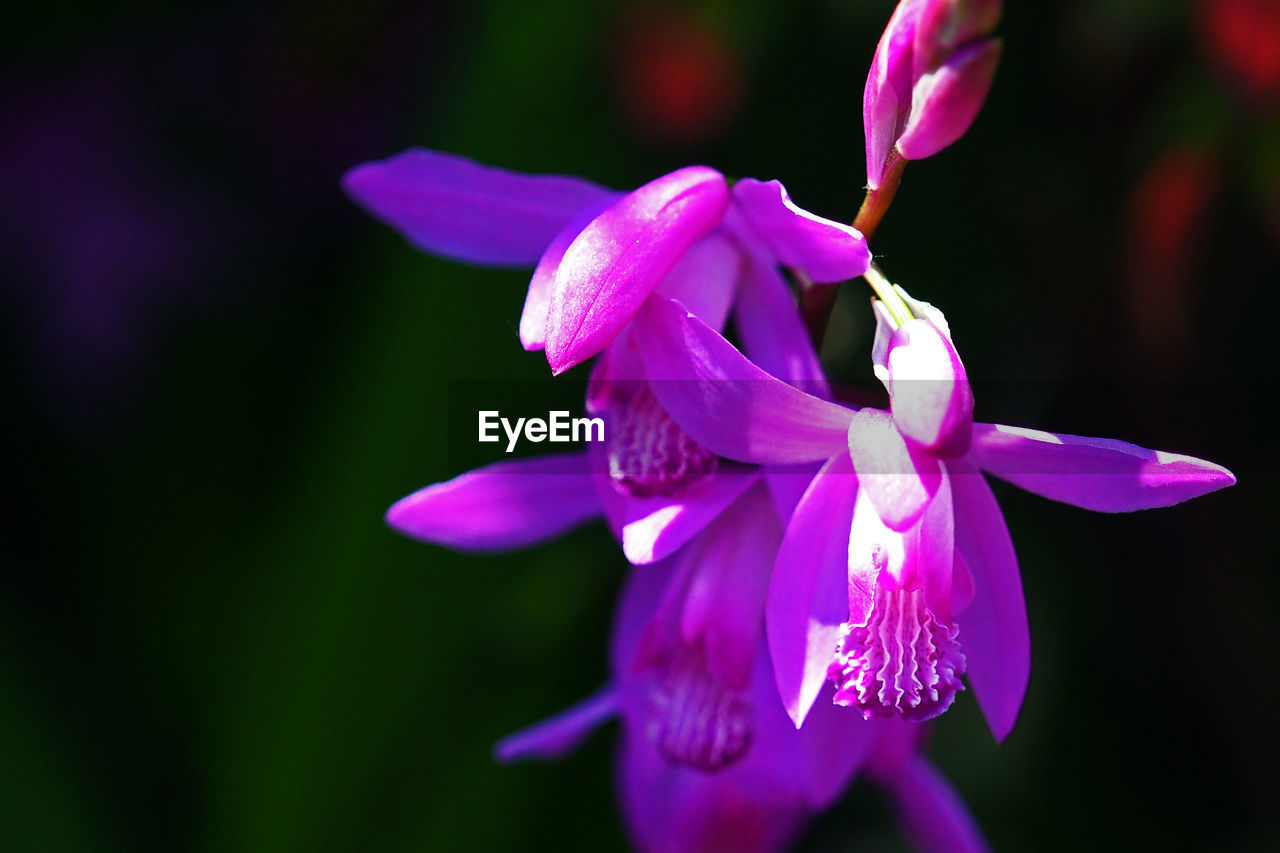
(599, 254)
(895, 547)
(708, 759)
(931, 72)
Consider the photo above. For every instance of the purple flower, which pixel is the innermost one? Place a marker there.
(600, 254)
(897, 556)
(709, 760)
(930, 74)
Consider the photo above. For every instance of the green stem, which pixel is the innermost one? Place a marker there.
(889, 295)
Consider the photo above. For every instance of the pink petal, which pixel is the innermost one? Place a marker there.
(537, 303)
(773, 336)
(787, 484)
(706, 279)
(726, 595)
(993, 630)
(930, 396)
(557, 735)
(945, 102)
(945, 26)
(452, 206)
(931, 813)
(825, 251)
(835, 745)
(653, 528)
(808, 594)
(1100, 474)
(619, 259)
(899, 479)
(725, 402)
(503, 505)
(886, 99)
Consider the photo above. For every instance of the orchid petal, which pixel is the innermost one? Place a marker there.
(936, 557)
(619, 259)
(899, 479)
(943, 27)
(787, 484)
(930, 396)
(503, 505)
(825, 251)
(726, 403)
(537, 302)
(835, 745)
(1100, 474)
(945, 101)
(931, 813)
(808, 599)
(993, 631)
(773, 336)
(654, 527)
(726, 595)
(886, 99)
(705, 279)
(557, 735)
(455, 207)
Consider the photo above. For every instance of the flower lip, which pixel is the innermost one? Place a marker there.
(902, 662)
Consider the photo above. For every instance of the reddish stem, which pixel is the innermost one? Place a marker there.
(817, 300)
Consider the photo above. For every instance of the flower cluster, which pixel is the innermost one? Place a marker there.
(810, 581)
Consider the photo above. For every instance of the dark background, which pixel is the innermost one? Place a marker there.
(219, 373)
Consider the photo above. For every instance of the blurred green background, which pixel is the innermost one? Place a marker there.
(220, 373)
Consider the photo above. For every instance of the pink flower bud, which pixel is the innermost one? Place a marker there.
(945, 102)
(931, 73)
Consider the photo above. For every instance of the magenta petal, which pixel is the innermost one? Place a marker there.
(537, 303)
(825, 251)
(931, 813)
(993, 629)
(452, 206)
(621, 257)
(726, 594)
(772, 333)
(787, 485)
(886, 99)
(808, 598)
(553, 737)
(654, 527)
(1100, 474)
(503, 505)
(899, 479)
(943, 27)
(725, 402)
(706, 279)
(835, 745)
(930, 396)
(945, 102)
(936, 555)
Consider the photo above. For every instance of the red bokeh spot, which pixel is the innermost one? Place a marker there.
(1163, 239)
(680, 81)
(1243, 38)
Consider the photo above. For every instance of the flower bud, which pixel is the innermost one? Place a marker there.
(931, 72)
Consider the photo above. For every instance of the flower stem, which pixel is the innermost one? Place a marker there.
(889, 295)
(817, 300)
(877, 201)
